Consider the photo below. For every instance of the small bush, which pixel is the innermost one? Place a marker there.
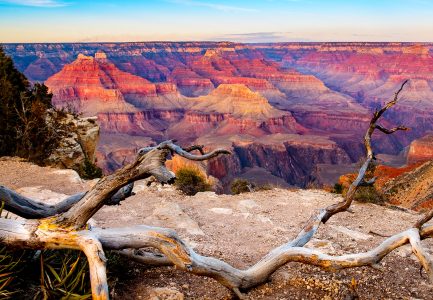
(89, 170)
(368, 194)
(265, 187)
(11, 264)
(64, 275)
(240, 186)
(47, 274)
(190, 181)
(338, 188)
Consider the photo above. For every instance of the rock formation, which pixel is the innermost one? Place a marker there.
(237, 100)
(78, 146)
(421, 150)
(413, 188)
(93, 84)
(238, 92)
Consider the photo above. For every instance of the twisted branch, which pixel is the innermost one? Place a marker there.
(424, 219)
(32, 209)
(177, 253)
(324, 214)
(392, 130)
(150, 161)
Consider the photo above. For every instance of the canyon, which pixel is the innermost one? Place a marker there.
(291, 111)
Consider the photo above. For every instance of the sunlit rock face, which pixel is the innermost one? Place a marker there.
(94, 84)
(421, 150)
(371, 73)
(285, 109)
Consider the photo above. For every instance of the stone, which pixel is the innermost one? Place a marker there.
(165, 294)
(221, 210)
(357, 235)
(169, 214)
(79, 144)
(41, 194)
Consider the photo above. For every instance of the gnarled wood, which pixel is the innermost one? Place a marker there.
(325, 214)
(145, 257)
(178, 253)
(94, 252)
(32, 209)
(421, 254)
(150, 162)
(424, 219)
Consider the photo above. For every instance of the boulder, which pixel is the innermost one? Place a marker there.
(78, 145)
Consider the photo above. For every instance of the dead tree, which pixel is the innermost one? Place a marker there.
(64, 226)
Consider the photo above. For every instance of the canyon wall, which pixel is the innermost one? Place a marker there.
(287, 109)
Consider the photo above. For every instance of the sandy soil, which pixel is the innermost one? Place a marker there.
(240, 230)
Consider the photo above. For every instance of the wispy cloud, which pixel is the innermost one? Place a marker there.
(215, 6)
(37, 3)
(260, 37)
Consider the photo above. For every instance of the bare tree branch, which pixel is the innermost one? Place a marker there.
(195, 147)
(150, 161)
(424, 219)
(184, 257)
(94, 252)
(170, 145)
(32, 209)
(145, 257)
(392, 130)
(325, 214)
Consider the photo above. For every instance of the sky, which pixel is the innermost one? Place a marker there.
(215, 20)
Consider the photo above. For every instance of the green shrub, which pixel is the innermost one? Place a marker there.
(240, 186)
(64, 275)
(11, 264)
(24, 111)
(338, 188)
(55, 275)
(47, 274)
(190, 181)
(89, 170)
(368, 194)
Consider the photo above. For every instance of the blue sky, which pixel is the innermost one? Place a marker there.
(242, 20)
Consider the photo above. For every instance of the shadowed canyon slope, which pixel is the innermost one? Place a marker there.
(288, 110)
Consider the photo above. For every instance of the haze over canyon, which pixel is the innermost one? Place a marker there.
(291, 113)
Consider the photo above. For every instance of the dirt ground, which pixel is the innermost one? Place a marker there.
(240, 230)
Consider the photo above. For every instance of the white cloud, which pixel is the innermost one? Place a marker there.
(216, 6)
(36, 3)
(261, 37)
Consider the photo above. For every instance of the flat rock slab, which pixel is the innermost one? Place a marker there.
(41, 194)
(170, 214)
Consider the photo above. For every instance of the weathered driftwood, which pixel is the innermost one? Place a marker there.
(64, 226)
(31, 209)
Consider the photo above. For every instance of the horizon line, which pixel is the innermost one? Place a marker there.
(221, 42)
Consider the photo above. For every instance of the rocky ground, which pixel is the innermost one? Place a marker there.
(240, 230)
